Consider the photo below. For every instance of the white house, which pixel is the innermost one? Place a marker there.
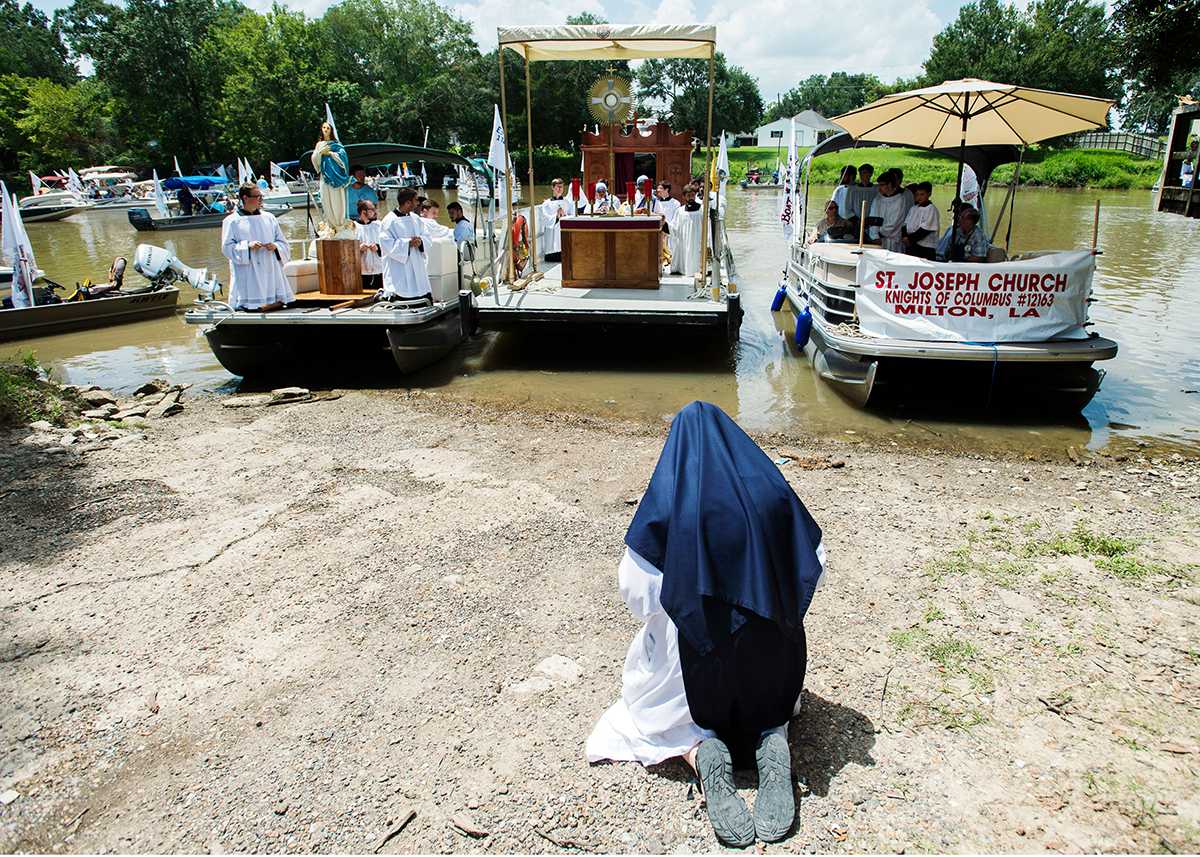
(810, 128)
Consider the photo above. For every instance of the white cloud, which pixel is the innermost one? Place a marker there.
(486, 15)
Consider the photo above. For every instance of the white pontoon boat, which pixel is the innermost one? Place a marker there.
(612, 271)
(887, 321)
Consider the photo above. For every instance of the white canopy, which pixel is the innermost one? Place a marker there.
(609, 41)
(995, 114)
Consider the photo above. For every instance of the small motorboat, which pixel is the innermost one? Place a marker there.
(54, 205)
(58, 308)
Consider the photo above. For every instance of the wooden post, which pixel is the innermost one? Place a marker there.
(532, 202)
(1096, 228)
(707, 167)
(512, 247)
(862, 223)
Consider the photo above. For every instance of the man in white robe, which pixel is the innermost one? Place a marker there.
(666, 206)
(687, 228)
(401, 241)
(886, 218)
(549, 213)
(366, 231)
(254, 245)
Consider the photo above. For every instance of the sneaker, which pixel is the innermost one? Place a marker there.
(727, 812)
(775, 808)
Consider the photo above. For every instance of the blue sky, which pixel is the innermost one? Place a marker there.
(777, 41)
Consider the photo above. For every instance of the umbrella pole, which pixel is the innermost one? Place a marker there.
(962, 147)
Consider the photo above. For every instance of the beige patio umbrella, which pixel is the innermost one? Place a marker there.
(976, 113)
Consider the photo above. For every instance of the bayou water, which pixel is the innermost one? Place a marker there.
(1147, 294)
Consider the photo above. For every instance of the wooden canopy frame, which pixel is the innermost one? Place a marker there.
(604, 41)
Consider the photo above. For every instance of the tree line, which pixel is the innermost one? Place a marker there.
(210, 80)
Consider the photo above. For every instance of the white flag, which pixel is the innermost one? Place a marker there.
(73, 183)
(160, 198)
(787, 212)
(178, 171)
(277, 181)
(723, 159)
(14, 244)
(35, 182)
(222, 173)
(241, 168)
(424, 178)
(332, 124)
(498, 150)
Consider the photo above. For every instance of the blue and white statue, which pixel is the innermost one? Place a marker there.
(332, 164)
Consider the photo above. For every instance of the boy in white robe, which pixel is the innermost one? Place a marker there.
(366, 231)
(666, 207)
(401, 243)
(549, 213)
(254, 245)
(887, 215)
(687, 229)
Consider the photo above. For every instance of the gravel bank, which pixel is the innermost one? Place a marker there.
(285, 628)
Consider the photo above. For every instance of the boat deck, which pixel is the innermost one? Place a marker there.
(547, 301)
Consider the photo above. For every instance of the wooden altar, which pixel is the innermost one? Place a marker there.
(611, 252)
(672, 155)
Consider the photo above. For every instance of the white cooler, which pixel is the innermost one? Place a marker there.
(302, 275)
(441, 261)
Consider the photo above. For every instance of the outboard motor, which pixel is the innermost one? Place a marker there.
(162, 267)
(140, 219)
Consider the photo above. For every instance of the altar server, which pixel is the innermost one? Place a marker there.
(549, 213)
(256, 249)
(401, 240)
(721, 563)
(686, 230)
(887, 215)
(366, 231)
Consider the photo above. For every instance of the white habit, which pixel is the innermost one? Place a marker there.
(686, 230)
(651, 722)
(255, 276)
(404, 272)
(368, 233)
(549, 234)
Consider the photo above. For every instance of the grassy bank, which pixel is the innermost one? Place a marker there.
(26, 397)
(1049, 167)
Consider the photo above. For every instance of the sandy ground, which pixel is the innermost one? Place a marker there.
(286, 628)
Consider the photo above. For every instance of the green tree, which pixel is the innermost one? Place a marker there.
(681, 85)
(830, 96)
(67, 125)
(406, 65)
(30, 45)
(1053, 44)
(152, 55)
(282, 61)
(14, 94)
(1156, 43)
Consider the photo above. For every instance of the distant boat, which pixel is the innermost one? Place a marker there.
(55, 205)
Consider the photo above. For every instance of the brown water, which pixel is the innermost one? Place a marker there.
(1147, 290)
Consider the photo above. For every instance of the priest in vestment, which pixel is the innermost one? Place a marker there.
(254, 245)
(401, 241)
(686, 231)
(548, 214)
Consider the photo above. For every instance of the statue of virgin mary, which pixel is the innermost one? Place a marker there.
(332, 164)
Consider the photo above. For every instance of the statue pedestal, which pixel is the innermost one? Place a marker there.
(338, 271)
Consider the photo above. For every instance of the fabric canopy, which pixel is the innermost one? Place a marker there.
(609, 41)
(193, 182)
(982, 159)
(995, 114)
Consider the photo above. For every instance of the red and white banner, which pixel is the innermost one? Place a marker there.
(1031, 300)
